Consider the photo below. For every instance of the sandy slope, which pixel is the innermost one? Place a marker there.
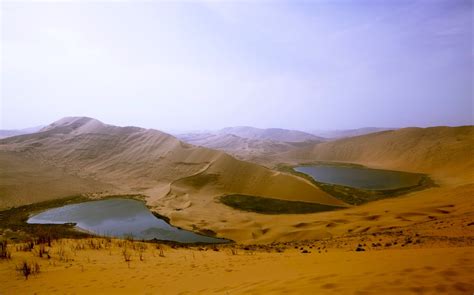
(27, 180)
(136, 160)
(76, 267)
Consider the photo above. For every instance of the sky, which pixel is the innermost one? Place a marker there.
(208, 65)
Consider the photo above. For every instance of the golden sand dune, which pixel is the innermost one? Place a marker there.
(136, 160)
(28, 180)
(447, 153)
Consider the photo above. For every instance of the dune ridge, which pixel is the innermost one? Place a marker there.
(137, 160)
(183, 182)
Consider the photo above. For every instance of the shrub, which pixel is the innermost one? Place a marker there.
(43, 252)
(127, 256)
(26, 247)
(26, 269)
(4, 253)
(162, 253)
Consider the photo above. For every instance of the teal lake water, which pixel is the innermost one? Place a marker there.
(119, 218)
(361, 177)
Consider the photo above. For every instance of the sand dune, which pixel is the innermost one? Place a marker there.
(28, 180)
(136, 160)
(444, 152)
(183, 181)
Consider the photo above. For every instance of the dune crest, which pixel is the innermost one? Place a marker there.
(137, 160)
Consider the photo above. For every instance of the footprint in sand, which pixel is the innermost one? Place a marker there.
(372, 218)
(329, 286)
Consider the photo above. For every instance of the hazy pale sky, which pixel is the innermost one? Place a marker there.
(207, 65)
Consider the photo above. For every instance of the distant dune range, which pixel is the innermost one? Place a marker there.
(249, 149)
(183, 181)
(273, 134)
(15, 132)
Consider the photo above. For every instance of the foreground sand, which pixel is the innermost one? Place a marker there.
(97, 266)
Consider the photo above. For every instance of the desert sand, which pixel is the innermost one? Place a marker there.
(96, 266)
(421, 242)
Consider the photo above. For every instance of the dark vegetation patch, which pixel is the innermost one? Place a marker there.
(273, 206)
(13, 222)
(208, 232)
(358, 196)
(162, 217)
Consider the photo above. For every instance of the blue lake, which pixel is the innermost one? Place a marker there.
(361, 177)
(120, 218)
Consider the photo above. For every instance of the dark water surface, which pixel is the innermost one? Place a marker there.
(119, 218)
(361, 177)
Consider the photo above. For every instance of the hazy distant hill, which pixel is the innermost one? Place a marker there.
(242, 148)
(249, 143)
(15, 132)
(334, 134)
(275, 134)
(82, 151)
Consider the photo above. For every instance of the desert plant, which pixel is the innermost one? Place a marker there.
(26, 269)
(4, 253)
(26, 247)
(162, 253)
(127, 256)
(94, 244)
(63, 256)
(43, 252)
(44, 239)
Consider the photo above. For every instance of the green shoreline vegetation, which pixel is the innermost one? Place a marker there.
(273, 206)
